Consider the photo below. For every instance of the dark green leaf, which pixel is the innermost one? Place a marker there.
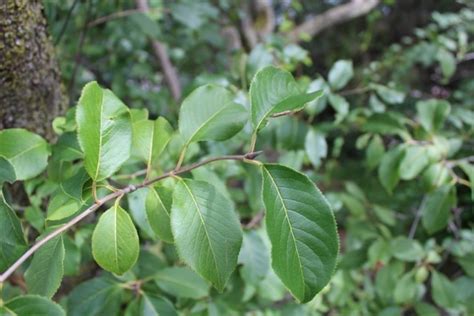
(437, 208)
(254, 257)
(182, 282)
(12, 239)
(45, 273)
(388, 169)
(444, 292)
(206, 230)
(302, 230)
(158, 208)
(432, 113)
(34, 305)
(153, 305)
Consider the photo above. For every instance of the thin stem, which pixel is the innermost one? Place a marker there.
(119, 193)
(253, 142)
(181, 157)
(117, 15)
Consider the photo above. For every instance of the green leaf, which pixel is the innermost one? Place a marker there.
(316, 147)
(96, 297)
(469, 171)
(388, 169)
(272, 91)
(45, 273)
(444, 291)
(210, 113)
(387, 94)
(34, 305)
(158, 206)
(104, 131)
(340, 74)
(375, 152)
(12, 239)
(26, 152)
(150, 138)
(406, 249)
(340, 105)
(437, 208)
(182, 282)
(432, 113)
(254, 257)
(115, 244)
(406, 289)
(384, 123)
(152, 305)
(302, 231)
(447, 62)
(206, 230)
(413, 162)
(62, 206)
(7, 171)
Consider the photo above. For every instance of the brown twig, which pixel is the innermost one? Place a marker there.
(169, 72)
(118, 15)
(108, 198)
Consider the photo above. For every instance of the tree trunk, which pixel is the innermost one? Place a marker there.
(31, 94)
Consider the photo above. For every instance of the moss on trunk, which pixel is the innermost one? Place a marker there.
(31, 94)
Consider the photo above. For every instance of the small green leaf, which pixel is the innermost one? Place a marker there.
(302, 231)
(437, 208)
(387, 94)
(413, 162)
(432, 113)
(150, 138)
(182, 282)
(406, 249)
(406, 289)
(388, 169)
(340, 105)
(206, 230)
(104, 131)
(12, 239)
(210, 113)
(447, 62)
(272, 91)
(158, 207)
(384, 123)
(316, 147)
(153, 305)
(469, 171)
(34, 305)
(45, 273)
(375, 152)
(115, 244)
(340, 74)
(26, 152)
(96, 297)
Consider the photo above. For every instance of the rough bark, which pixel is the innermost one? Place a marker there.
(336, 15)
(31, 94)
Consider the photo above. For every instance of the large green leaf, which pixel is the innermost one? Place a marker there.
(302, 231)
(12, 239)
(182, 282)
(406, 249)
(34, 305)
(96, 297)
(206, 230)
(437, 207)
(7, 171)
(340, 74)
(432, 113)
(210, 113)
(46, 271)
(26, 152)
(158, 208)
(150, 139)
(444, 291)
(104, 131)
(115, 244)
(274, 90)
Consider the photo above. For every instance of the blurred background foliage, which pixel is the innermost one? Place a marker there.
(390, 143)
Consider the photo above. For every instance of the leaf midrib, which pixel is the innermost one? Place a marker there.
(289, 225)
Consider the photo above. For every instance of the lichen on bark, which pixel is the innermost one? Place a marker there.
(31, 94)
